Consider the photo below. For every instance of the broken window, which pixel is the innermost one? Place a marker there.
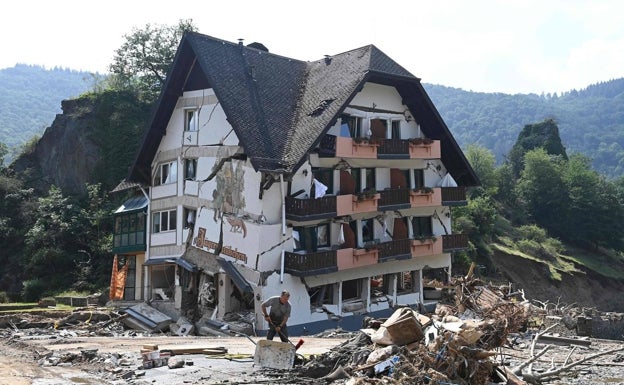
(190, 169)
(189, 217)
(166, 173)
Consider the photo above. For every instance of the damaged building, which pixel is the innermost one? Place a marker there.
(331, 179)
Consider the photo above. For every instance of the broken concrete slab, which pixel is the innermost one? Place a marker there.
(145, 317)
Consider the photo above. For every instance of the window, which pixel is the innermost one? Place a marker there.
(164, 221)
(190, 169)
(191, 118)
(189, 218)
(325, 176)
(166, 173)
(396, 129)
(310, 238)
(129, 230)
(419, 178)
(421, 227)
(364, 179)
(368, 233)
(355, 125)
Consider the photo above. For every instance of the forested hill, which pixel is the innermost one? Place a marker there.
(591, 121)
(30, 98)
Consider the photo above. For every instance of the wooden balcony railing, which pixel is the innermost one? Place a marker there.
(303, 264)
(453, 196)
(454, 242)
(394, 199)
(311, 263)
(311, 209)
(393, 148)
(339, 146)
(394, 250)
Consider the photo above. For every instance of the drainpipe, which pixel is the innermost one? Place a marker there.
(283, 226)
(148, 233)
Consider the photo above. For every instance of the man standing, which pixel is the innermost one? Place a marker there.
(278, 316)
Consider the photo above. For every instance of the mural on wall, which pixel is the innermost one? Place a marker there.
(227, 197)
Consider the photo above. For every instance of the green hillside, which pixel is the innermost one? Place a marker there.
(30, 98)
(591, 121)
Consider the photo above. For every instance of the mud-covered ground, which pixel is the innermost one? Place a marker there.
(48, 356)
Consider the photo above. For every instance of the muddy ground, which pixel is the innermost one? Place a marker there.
(48, 356)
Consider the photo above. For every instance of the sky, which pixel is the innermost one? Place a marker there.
(508, 46)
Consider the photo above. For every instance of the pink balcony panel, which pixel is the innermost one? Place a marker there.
(365, 204)
(425, 151)
(348, 148)
(420, 199)
(351, 258)
(426, 247)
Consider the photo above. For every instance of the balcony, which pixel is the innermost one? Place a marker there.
(386, 200)
(454, 242)
(303, 264)
(394, 199)
(354, 148)
(426, 246)
(311, 209)
(424, 149)
(364, 202)
(454, 196)
(330, 206)
(425, 197)
(311, 263)
(394, 250)
(346, 147)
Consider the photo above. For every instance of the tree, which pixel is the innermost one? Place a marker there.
(543, 191)
(143, 60)
(484, 164)
(598, 215)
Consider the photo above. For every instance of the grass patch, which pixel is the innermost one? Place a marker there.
(611, 266)
(557, 264)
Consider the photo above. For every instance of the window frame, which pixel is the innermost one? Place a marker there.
(164, 216)
(423, 224)
(166, 173)
(191, 119)
(187, 163)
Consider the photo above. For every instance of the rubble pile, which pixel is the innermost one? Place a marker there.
(455, 345)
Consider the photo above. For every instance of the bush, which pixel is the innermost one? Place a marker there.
(4, 297)
(33, 290)
(533, 233)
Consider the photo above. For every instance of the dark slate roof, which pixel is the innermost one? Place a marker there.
(280, 107)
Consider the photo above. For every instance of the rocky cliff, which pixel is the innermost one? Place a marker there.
(94, 140)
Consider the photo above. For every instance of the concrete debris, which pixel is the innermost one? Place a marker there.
(458, 344)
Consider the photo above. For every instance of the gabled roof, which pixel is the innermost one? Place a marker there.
(280, 107)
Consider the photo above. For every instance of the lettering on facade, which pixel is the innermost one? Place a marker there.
(234, 254)
(202, 242)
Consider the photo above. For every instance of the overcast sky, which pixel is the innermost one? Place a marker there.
(520, 46)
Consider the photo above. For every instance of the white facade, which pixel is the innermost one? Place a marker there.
(233, 216)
